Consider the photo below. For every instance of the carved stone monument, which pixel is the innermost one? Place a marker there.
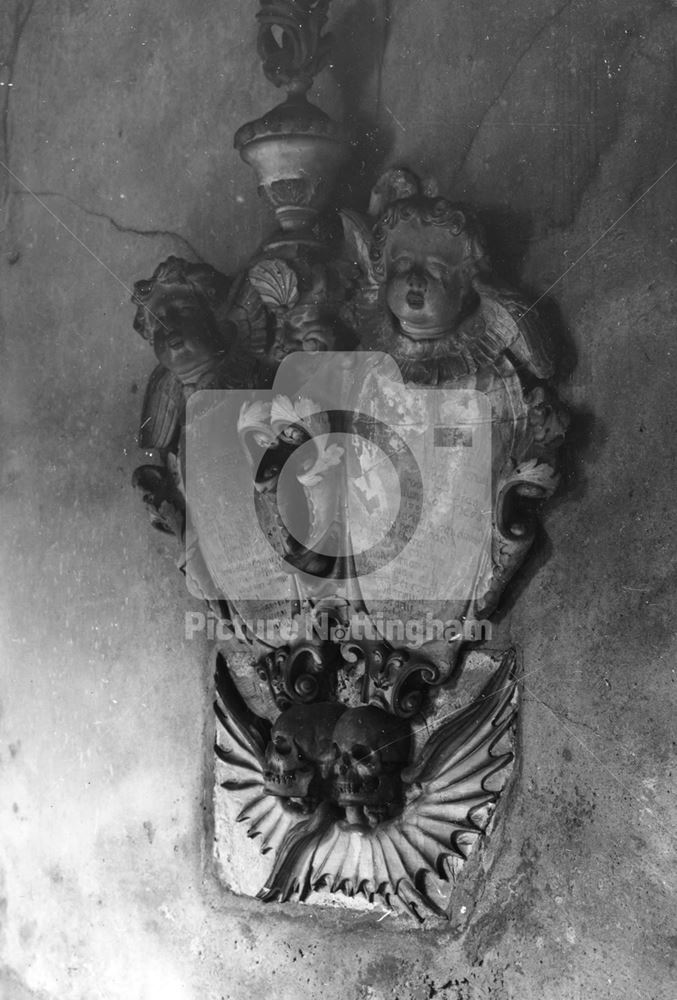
(351, 441)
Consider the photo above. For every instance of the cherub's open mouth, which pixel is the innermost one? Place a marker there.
(415, 300)
(175, 342)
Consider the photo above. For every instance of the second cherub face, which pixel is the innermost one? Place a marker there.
(306, 328)
(181, 329)
(425, 283)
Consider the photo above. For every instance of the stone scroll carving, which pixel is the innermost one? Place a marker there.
(351, 440)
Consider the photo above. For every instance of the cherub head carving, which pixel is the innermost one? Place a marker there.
(181, 312)
(425, 252)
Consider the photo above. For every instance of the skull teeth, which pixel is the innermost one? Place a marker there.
(288, 778)
(364, 787)
(347, 788)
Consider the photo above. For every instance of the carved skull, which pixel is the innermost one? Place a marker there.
(300, 754)
(371, 747)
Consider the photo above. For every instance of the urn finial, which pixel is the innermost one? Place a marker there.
(295, 149)
(291, 45)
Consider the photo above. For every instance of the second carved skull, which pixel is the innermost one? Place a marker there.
(371, 746)
(300, 754)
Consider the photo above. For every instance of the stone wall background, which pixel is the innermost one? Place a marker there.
(555, 118)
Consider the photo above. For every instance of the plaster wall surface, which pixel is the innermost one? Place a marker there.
(554, 118)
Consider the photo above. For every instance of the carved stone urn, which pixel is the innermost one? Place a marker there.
(296, 150)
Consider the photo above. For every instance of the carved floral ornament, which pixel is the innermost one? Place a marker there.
(351, 441)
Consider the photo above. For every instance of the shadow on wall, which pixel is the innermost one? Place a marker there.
(362, 31)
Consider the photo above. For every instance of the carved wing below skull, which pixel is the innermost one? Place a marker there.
(246, 735)
(446, 811)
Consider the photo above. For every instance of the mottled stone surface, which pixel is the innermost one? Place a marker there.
(555, 118)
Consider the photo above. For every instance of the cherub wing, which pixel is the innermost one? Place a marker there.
(161, 411)
(240, 744)
(357, 234)
(446, 794)
(511, 327)
(247, 311)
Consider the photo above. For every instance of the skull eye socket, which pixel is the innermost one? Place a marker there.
(360, 752)
(282, 745)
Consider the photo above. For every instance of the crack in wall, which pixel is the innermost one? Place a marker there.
(113, 222)
(22, 12)
(530, 45)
